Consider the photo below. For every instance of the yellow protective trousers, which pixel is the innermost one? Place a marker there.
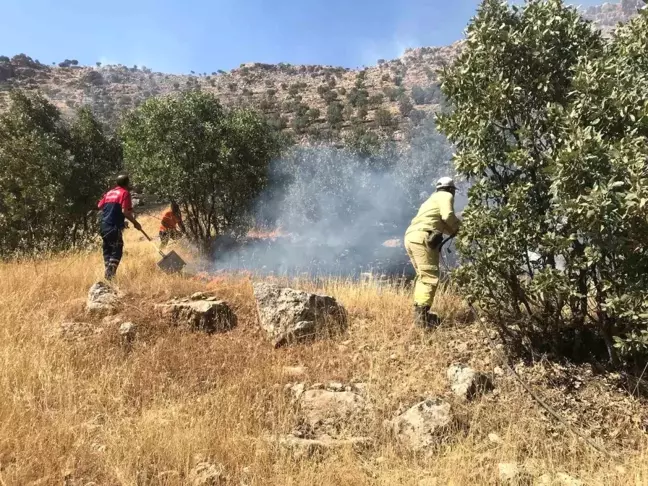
(426, 264)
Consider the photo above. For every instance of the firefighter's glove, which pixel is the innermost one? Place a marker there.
(434, 240)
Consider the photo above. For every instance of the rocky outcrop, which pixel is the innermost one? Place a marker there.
(423, 425)
(207, 474)
(102, 298)
(330, 411)
(201, 312)
(467, 383)
(304, 448)
(288, 315)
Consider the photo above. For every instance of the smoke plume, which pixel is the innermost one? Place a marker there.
(329, 211)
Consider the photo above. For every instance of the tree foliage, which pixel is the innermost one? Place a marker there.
(211, 160)
(550, 124)
(52, 173)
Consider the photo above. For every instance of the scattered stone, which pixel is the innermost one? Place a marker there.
(494, 438)
(509, 472)
(295, 371)
(329, 410)
(428, 482)
(204, 315)
(424, 424)
(77, 331)
(566, 480)
(336, 387)
(302, 448)
(127, 332)
(102, 297)
(288, 315)
(297, 390)
(467, 383)
(200, 296)
(207, 474)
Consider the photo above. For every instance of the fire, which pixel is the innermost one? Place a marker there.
(267, 234)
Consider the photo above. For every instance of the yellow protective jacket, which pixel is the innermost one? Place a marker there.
(436, 214)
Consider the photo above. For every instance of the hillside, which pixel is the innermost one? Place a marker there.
(321, 101)
(169, 406)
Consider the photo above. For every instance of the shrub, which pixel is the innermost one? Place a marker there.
(334, 114)
(405, 106)
(556, 148)
(54, 172)
(212, 160)
(383, 118)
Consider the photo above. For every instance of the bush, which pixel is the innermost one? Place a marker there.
(555, 230)
(376, 100)
(334, 114)
(212, 160)
(405, 106)
(383, 118)
(54, 172)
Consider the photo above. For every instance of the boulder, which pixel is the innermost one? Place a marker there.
(102, 297)
(424, 424)
(304, 448)
(127, 332)
(207, 474)
(330, 411)
(77, 331)
(205, 315)
(509, 472)
(467, 383)
(288, 315)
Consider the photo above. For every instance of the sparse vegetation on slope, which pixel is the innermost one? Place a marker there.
(92, 410)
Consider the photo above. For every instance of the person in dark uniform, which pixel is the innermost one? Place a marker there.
(116, 206)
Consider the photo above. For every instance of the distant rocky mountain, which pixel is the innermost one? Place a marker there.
(308, 100)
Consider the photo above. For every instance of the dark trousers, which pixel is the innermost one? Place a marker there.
(113, 248)
(166, 235)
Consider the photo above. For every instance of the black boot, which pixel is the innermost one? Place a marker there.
(425, 319)
(421, 313)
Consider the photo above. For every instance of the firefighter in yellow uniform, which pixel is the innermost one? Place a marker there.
(423, 240)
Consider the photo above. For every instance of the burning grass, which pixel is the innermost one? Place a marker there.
(94, 413)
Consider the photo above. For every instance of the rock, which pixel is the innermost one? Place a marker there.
(336, 386)
(509, 472)
(102, 297)
(428, 482)
(494, 438)
(566, 480)
(466, 383)
(205, 315)
(207, 474)
(294, 371)
(77, 331)
(303, 448)
(297, 390)
(329, 410)
(424, 424)
(127, 332)
(288, 315)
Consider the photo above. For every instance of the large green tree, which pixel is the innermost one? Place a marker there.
(549, 124)
(213, 161)
(52, 172)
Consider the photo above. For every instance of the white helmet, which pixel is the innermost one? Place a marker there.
(445, 182)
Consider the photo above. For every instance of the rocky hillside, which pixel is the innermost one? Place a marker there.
(313, 100)
(609, 15)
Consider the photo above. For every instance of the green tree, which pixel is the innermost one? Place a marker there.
(211, 160)
(550, 124)
(334, 114)
(53, 174)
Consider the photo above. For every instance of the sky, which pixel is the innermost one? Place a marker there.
(179, 36)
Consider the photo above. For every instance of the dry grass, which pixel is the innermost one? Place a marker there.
(95, 413)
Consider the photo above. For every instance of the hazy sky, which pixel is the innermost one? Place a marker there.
(206, 35)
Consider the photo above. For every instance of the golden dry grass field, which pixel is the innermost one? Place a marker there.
(92, 412)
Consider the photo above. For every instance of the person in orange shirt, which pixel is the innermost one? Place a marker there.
(171, 226)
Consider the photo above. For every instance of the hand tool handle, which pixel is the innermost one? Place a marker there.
(151, 241)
